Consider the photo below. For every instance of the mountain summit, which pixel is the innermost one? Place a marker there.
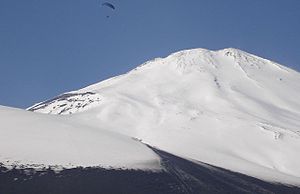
(227, 108)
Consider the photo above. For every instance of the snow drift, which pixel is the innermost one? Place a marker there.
(41, 141)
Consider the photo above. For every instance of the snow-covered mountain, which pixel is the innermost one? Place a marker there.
(227, 108)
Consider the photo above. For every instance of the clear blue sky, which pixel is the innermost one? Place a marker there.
(48, 47)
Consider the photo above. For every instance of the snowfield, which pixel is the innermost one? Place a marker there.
(35, 140)
(227, 108)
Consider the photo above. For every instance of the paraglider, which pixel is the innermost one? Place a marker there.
(109, 5)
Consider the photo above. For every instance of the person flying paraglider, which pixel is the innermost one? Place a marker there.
(109, 5)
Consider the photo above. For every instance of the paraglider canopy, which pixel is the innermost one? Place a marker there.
(109, 5)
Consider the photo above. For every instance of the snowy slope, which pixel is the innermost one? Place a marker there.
(35, 140)
(228, 108)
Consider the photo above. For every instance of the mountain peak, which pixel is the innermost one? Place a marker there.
(199, 59)
(220, 67)
(234, 107)
(229, 51)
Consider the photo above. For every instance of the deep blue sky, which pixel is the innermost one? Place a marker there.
(48, 47)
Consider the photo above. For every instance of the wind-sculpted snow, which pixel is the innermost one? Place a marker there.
(31, 140)
(227, 108)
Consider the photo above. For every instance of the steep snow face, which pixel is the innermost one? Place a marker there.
(35, 140)
(227, 108)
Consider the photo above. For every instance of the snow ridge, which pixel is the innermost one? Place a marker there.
(68, 103)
